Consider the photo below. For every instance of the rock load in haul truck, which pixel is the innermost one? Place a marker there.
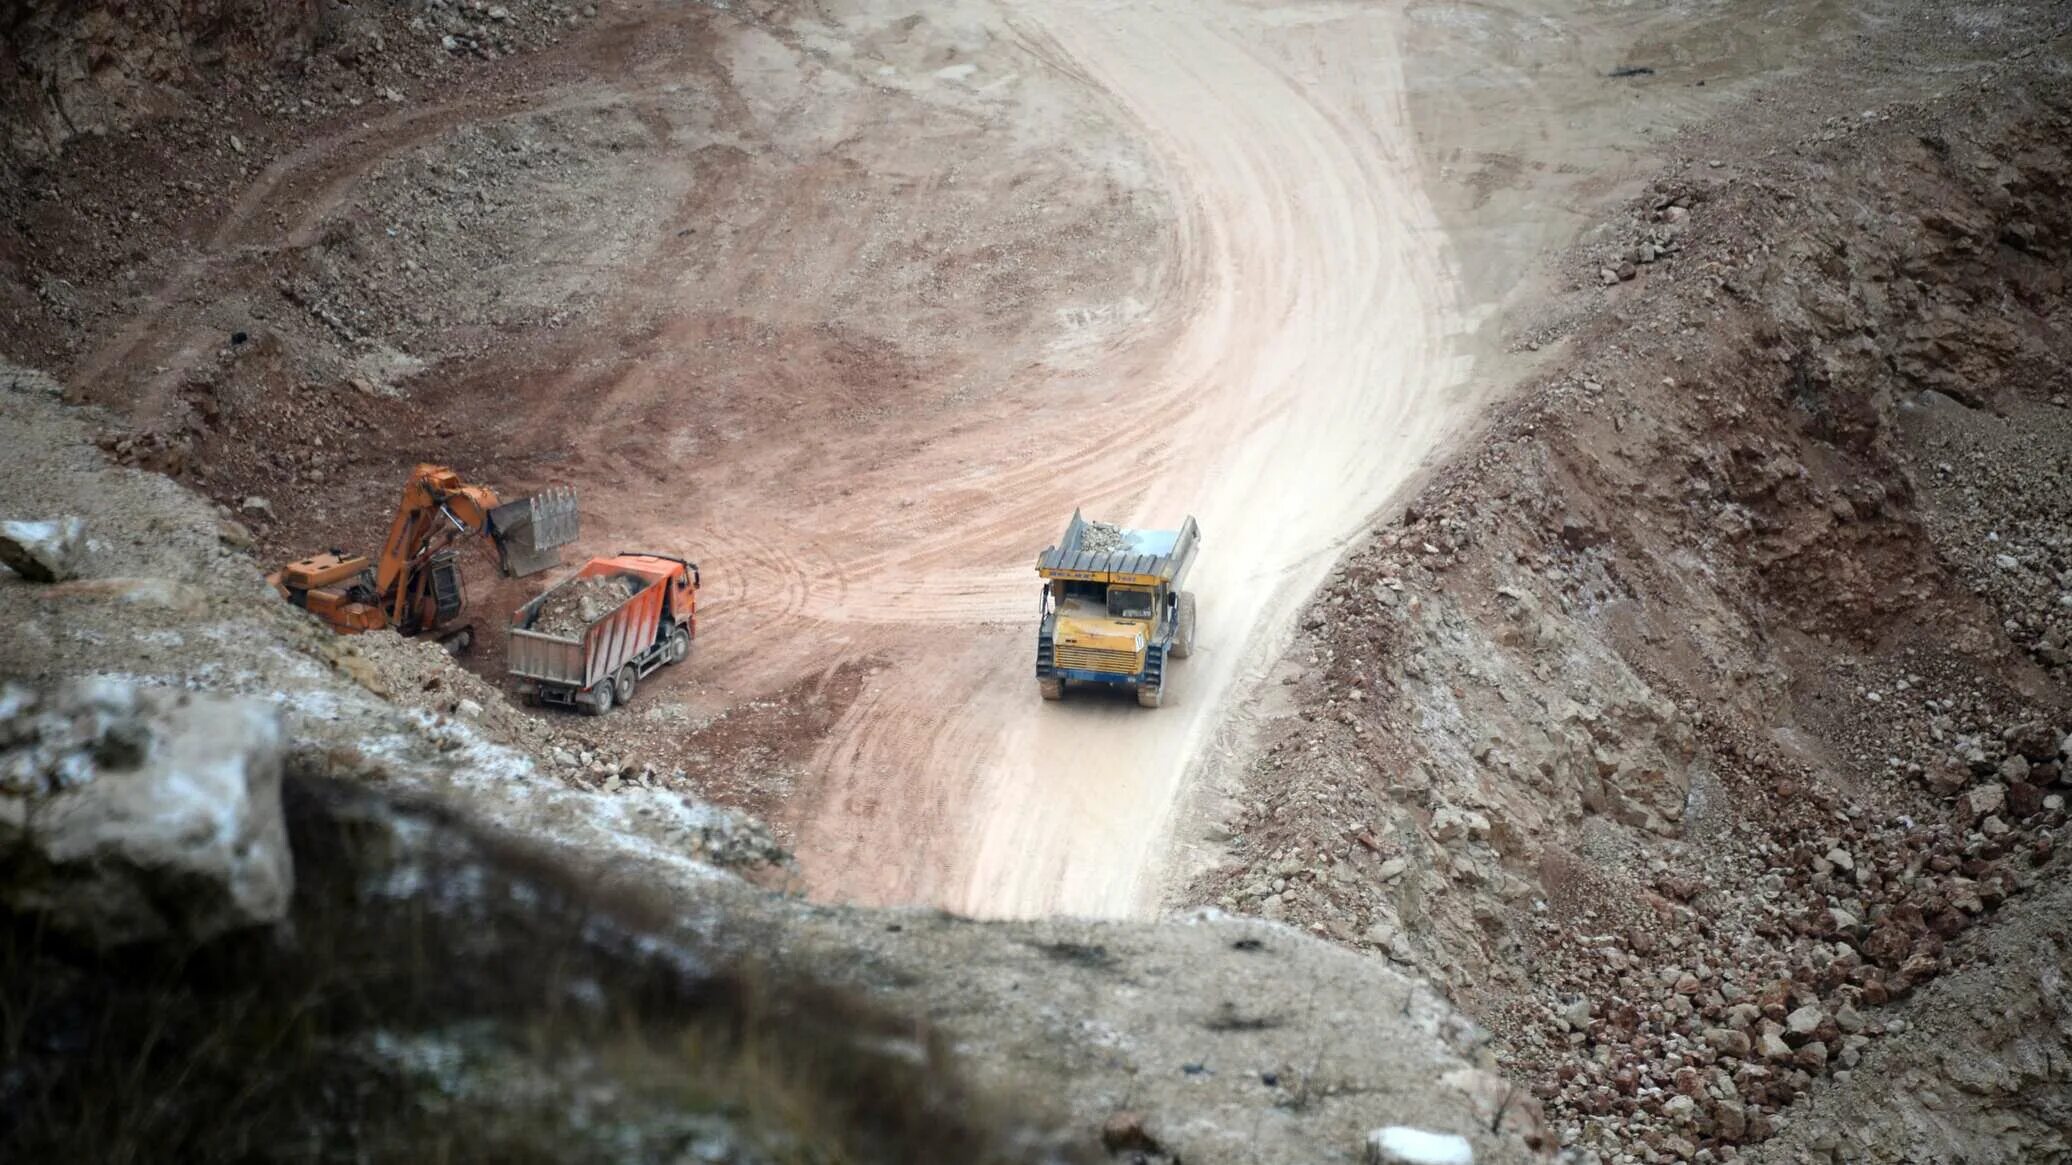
(1113, 610)
(590, 640)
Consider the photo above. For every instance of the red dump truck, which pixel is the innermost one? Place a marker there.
(591, 639)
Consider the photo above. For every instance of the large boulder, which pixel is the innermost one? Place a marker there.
(130, 814)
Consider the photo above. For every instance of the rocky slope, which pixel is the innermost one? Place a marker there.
(1979, 1075)
(1707, 712)
(91, 69)
(73, 70)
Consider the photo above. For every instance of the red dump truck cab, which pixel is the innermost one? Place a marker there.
(597, 662)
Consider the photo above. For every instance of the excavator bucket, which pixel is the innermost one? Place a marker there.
(531, 530)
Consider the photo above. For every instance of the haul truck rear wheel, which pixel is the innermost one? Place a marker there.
(1051, 689)
(601, 699)
(627, 679)
(1151, 695)
(1183, 636)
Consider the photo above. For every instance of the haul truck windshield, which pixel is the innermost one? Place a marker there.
(1131, 604)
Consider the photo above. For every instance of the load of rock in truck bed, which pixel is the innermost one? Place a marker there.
(1103, 538)
(570, 608)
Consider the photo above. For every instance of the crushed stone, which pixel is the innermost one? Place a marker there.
(1102, 538)
(573, 606)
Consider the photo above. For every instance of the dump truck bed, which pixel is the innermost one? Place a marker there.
(606, 644)
(1143, 558)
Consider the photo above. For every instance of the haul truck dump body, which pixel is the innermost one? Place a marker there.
(600, 646)
(1113, 608)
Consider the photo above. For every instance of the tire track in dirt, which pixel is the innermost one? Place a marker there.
(1287, 367)
(1295, 370)
(315, 164)
(1315, 360)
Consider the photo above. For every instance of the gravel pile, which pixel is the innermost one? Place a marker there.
(1692, 1029)
(570, 608)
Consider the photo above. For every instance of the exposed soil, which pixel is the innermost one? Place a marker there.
(1698, 724)
(853, 306)
(1707, 713)
(494, 958)
(851, 370)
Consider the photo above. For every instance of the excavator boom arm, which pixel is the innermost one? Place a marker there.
(437, 507)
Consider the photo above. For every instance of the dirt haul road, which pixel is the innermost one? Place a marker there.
(1298, 366)
(854, 304)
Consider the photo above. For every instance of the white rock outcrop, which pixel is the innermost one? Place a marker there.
(44, 552)
(131, 814)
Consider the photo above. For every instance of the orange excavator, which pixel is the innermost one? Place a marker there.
(415, 587)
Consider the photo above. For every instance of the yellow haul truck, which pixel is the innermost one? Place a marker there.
(1113, 611)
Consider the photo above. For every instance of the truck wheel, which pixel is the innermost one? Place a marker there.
(1051, 689)
(1183, 636)
(603, 702)
(624, 688)
(1149, 696)
(679, 645)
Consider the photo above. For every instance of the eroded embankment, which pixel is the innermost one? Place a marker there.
(1696, 727)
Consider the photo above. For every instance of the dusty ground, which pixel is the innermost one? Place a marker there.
(1215, 1038)
(854, 306)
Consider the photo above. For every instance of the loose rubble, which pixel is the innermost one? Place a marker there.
(461, 706)
(569, 609)
(1712, 708)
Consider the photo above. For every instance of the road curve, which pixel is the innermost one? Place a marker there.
(1298, 354)
(1310, 373)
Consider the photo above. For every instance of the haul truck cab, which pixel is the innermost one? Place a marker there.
(1113, 608)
